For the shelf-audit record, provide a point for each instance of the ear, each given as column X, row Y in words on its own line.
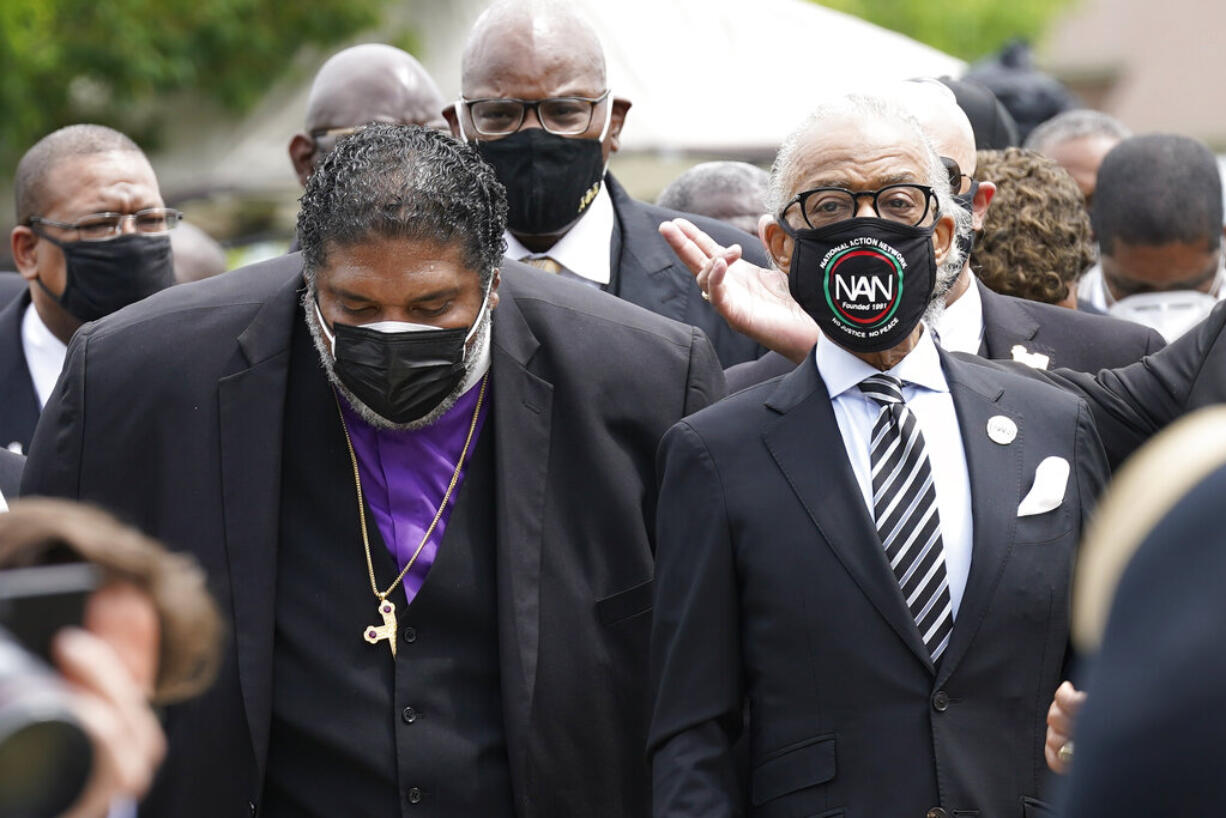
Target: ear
column 979, row 205
column 302, row 155
column 452, row 115
column 23, row 243
column 621, row 107
column 943, row 238
column 777, row 242
column 494, row 297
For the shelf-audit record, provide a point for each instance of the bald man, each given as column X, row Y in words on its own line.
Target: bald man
column 366, row 83
column 975, row 320
column 537, row 104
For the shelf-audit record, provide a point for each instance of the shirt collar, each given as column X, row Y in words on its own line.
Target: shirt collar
column 44, row 353
column 841, row 371
column 584, row 250
column 960, row 324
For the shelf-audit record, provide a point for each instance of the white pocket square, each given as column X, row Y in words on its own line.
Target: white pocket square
column 1050, row 481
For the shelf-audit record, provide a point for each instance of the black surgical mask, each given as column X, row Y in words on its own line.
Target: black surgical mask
column 401, row 375
column 866, row 281
column 550, row 179
column 104, row 276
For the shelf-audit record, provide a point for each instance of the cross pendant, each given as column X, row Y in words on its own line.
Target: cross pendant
column 375, row 634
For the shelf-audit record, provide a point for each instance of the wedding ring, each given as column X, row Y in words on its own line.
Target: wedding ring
column 706, row 296
column 1065, row 754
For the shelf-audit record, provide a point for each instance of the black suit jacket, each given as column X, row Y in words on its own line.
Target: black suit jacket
column 647, row 272
column 1149, row 741
column 1086, row 343
column 1132, row 403
column 19, row 409
column 11, row 466
column 773, row 591
column 170, row 413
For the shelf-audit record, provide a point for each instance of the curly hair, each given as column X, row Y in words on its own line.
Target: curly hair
column 1036, row 239
column 403, row 182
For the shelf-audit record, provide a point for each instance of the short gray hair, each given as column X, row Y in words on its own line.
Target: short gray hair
column 30, row 181
column 403, row 182
column 1076, row 124
column 709, row 178
column 885, row 108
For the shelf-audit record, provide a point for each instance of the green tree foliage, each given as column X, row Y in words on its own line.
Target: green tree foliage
column 110, row 61
column 969, row 29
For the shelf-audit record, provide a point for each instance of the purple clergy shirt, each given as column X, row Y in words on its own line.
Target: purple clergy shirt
column 405, row 474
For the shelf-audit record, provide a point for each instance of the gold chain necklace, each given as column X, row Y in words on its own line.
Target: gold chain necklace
column 387, row 609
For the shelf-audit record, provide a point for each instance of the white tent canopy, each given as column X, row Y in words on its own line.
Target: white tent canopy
column 704, row 76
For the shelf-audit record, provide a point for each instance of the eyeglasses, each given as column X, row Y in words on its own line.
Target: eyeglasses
column 563, row 116
column 103, row 226
column 955, row 175
column 903, row 203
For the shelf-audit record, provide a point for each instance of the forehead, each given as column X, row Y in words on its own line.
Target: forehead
column 396, row 94
column 95, row 182
column 859, row 153
column 1082, row 152
column 534, row 59
column 396, row 271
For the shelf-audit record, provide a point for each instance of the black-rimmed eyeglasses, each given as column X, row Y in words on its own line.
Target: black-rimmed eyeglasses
column 903, row 203
column 103, row 226
column 563, row 116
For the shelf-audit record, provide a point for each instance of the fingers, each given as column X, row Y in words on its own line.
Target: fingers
column 125, row 618
column 708, row 246
column 1061, row 720
column 689, row 252
column 128, row 741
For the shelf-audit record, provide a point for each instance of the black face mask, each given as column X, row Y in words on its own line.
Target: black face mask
column 967, row 201
column 104, row 276
column 865, row 281
column 401, row 376
column 550, row 179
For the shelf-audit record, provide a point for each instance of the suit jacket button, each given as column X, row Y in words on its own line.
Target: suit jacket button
column 409, row 714
column 940, row 703
column 937, row 812
column 414, row 795
column 410, row 634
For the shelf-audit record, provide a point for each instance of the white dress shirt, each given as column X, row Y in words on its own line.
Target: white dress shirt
column 584, row 250
column 44, row 354
column 960, row 324
column 927, row 395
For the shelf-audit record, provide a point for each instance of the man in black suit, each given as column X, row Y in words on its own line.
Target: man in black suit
column 976, row 320
column 514, row 682
column 885, row 608
column 90, row 238
column 536, row 103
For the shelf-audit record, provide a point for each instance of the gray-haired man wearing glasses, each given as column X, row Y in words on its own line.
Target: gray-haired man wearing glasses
column 91, row 237
column 536, row 103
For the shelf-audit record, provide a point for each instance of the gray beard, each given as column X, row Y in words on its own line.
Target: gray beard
column 370, row 416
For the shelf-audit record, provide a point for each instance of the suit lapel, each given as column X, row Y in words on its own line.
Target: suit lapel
column 522, row 418
column 995, row 474
column 1004, row 326
column 250, row 411
column 643, row 261
column 19, row 410
column 820, row 474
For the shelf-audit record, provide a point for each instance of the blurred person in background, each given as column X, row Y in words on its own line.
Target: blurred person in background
column 732, row 192
column 1031, row 96
column 372, row 82
column 1158, row 218
column 1079, row 140
column 1036, row 241
column 91, row 237
column 149, row 636
column 197, row 254
column 537, row 105
column 992, row 123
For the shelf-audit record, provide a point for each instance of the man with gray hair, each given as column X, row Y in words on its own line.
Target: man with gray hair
column 866, row 561
column 733, row 192
column 1079, row 140
column 422, row 483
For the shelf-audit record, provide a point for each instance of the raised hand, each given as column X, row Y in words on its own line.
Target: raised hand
column 754, row 301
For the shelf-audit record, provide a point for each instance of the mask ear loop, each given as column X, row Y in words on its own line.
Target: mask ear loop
column 324, row 326
column 480, row 315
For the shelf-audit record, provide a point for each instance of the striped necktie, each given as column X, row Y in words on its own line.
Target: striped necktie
column 543, row 263
column 905, row 512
